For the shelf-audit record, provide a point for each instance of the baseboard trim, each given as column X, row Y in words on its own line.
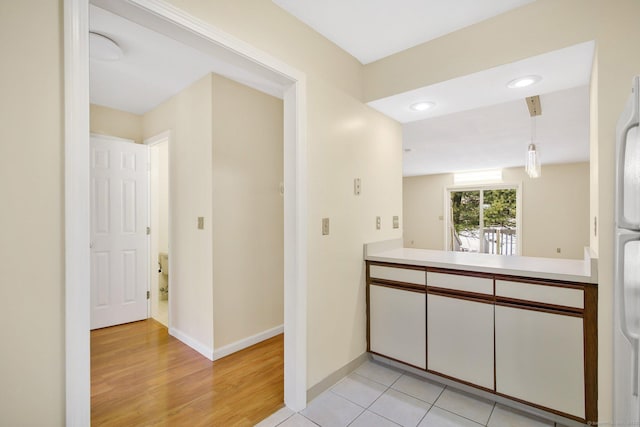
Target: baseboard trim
column 336, row 376
column 246, row 342
column 193, row 343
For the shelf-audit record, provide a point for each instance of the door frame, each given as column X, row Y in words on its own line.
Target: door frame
column 76, row 188
column 150, row 142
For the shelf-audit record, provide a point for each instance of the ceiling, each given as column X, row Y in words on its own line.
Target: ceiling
column 497, row 136
column 154, row 67
column 477, row 122
column 373, row 29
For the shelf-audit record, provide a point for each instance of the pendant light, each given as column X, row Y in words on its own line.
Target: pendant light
column 532, row 165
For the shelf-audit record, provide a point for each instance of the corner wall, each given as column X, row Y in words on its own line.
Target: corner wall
column 248, row 212
column 188, row 117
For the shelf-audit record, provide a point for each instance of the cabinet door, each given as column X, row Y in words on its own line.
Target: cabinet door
column 460, row 339
column 540, row 358
column 397, row 324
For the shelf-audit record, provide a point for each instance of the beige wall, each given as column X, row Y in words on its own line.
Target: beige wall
column 32, row 241
column 345, row 138
column 248, row 212
column 108, row 121
column 188, row 117
column 555, row 210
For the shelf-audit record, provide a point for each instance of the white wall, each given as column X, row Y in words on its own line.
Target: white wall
column 555, row 210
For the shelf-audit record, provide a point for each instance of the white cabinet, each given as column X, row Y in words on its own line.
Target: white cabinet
column 460, row 339
column 397, row 324
column 540, row 358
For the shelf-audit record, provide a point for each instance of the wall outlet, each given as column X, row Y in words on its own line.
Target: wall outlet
column 378, row 223
column 356, row 186
column 200, row 223
column 325, row 226
column 558, row 250
column 396, row 222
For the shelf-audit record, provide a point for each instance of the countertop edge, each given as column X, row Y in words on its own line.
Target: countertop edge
column 379, row 252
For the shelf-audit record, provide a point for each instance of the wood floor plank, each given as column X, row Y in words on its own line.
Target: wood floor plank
column 141, row 376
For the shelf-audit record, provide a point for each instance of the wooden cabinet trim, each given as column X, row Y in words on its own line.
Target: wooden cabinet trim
column 590, row 326
column 464, row 295
column 526, row 304
column 543, row 282
column 544, row 308
column 459, row 272
column 544, row 408
column 431, row 371
column 394, row 265
column 398, row 285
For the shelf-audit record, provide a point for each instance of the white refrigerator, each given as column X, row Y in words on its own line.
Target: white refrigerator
column 627, row 259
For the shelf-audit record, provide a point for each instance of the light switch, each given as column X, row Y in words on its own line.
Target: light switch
column 356, row 186
column 378, row 223
column 200, row 223
column 396, row 222
column 325, row 226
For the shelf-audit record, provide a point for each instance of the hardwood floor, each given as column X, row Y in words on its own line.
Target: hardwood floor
column 141, row 376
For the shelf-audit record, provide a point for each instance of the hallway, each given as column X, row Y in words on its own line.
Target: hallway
column 142, row 376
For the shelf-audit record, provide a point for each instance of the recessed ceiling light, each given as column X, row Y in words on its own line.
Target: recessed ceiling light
column 103, row 48
column 422, row 105
column 525, row 81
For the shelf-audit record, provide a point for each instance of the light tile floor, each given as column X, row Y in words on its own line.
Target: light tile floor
column 375, row 395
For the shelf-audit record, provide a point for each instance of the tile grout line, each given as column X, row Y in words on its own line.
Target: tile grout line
column 491, row 414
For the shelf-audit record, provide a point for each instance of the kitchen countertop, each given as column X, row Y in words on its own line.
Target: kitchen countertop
column 392, row 251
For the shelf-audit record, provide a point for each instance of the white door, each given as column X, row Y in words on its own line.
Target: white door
column 119, row 260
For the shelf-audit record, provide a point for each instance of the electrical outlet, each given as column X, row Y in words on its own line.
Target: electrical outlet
column 200, row 223
column 378, row 223
column 356, row 186
column 558, row 250
column 325, row 226
column 396, row 222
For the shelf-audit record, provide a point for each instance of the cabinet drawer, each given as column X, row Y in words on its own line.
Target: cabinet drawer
column 397, row 274
column 479, row 285
column 553, row 295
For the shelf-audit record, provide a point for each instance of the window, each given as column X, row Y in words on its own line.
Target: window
column 484, row 220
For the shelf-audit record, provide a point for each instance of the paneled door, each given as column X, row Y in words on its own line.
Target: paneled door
column 119, row 243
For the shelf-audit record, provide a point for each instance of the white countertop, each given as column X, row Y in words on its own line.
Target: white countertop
column 541, row 268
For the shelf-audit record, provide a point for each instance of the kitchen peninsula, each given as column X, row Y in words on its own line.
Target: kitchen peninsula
column 522, row 329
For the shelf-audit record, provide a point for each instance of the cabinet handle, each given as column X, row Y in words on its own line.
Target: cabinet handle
column 622, row 312
column 621, row 137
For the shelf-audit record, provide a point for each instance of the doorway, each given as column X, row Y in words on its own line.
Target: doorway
column 159, row 202
column 194, row 32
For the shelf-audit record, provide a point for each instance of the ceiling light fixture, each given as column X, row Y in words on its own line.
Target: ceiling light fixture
column 532, row 165
column 103, row 48
column 525, row 81
column 422, row 106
